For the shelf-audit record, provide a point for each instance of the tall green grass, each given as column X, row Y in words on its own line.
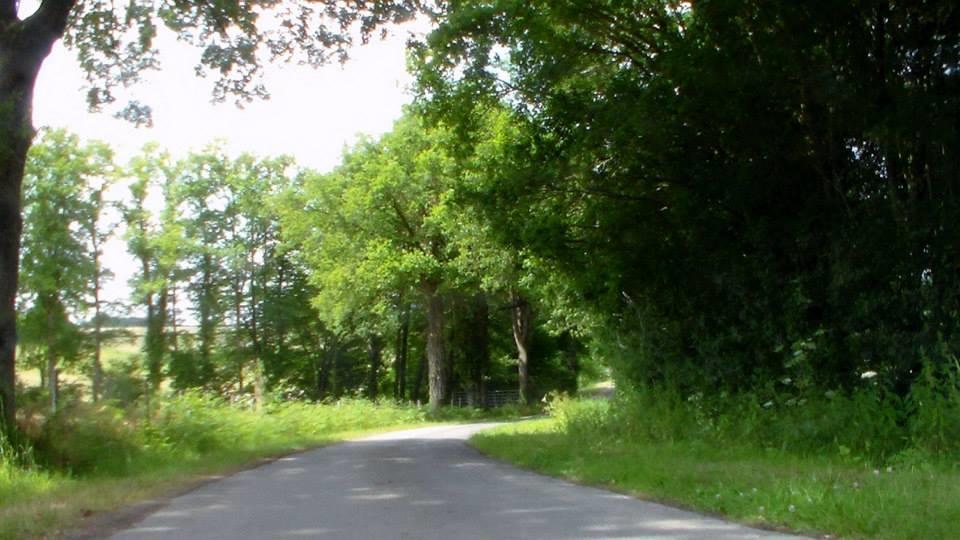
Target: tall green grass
column 88, row 458
column 871, row 423
column 88, row 439
column 862, row 464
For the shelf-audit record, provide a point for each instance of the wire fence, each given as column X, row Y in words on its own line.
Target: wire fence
column 490, row 399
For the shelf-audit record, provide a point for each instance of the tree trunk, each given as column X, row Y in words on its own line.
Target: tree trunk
column 96, row 247
column 478, row 350
column 374, row 357
column 53, row 381
column 238, row 346
column 521, row 318
column 23, row 47
column 154, row 340
column 97, row 379
column 97, row 339
column 418, row 380
column 174, row 330
column 403, row 342
column 208, row 325
column 436, row 351
column 256, row 344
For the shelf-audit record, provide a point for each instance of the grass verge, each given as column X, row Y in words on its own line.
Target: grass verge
column 757, row 486
column 95, row 459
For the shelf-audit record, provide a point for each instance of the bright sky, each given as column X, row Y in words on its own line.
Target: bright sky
column 311, row 115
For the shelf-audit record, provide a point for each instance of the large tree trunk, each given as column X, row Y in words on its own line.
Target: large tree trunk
column 436, row 350
column 522, row 316
column 23, row 47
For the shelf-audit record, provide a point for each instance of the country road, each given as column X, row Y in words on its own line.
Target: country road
column 423, row 483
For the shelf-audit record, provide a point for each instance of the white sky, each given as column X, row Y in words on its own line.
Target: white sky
column 311, row 115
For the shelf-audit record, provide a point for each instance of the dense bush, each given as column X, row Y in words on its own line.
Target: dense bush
column 103, row 439
column 870, row 423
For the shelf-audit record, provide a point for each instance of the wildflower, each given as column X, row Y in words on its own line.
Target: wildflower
column 768, row 404
column 889, row 469
column 868, row 374
column 876, row 472
column 792, row 508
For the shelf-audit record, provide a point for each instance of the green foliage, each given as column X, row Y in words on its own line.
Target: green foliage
column 61, row 272
column 103, row 440
column 870, row 424
column 85, row 439
column 934, row 401
column 726, row 205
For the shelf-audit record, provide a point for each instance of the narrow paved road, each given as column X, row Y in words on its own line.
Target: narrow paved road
column 424, row 483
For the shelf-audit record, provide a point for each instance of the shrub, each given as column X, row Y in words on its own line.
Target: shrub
column 871, row 423
column 85, row 439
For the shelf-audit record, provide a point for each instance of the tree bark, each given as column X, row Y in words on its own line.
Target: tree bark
column 53, row 381
column 208, row 324
column 97, row 379
column 403, row 346
column 23, row 47
column 418, row 380
column 174, row 330
column 374, row 359
column 436, row 350
column 521, row 319
column 97, row 386
column 155, row 340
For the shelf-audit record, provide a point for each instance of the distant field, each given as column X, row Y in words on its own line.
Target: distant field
column 129, row 342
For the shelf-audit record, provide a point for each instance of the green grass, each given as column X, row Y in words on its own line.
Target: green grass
column 757, row 486
column 92, row 459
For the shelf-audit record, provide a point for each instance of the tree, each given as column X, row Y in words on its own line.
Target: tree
column 491, row 144
column 114, row 46
column 58, row 270
column 98, row 232
column 373, row 229
column 716, row 182
column 156, row 246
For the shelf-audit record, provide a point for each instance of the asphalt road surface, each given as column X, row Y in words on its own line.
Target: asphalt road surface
column 418, row 484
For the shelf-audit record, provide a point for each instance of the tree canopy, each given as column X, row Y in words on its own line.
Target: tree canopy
column 711, row 197
column 743, row 192
column 114, row 45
